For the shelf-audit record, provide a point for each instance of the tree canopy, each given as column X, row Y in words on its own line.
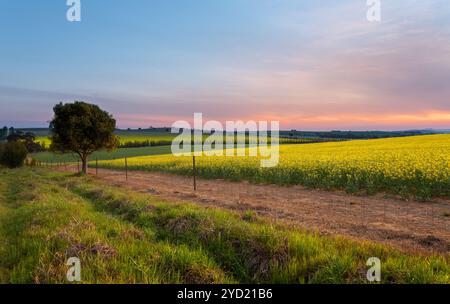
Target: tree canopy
column 82, row 128
column 27, row 138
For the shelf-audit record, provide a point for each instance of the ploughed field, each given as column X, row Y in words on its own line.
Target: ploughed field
column 122, row 236
column 417, row 166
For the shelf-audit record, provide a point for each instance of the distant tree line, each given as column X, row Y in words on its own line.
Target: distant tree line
column 4, row 132
column 28, row 139
column 350, row 134
column 145, row 143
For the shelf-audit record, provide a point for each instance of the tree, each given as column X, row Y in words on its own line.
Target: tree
column 3, row 133
column 28, row 139
column 82, row 128
column 13, row 154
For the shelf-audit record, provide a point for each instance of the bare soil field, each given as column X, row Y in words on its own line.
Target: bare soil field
column 411, row 226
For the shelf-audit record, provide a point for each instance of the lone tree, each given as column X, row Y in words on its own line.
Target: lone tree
column 82, row 128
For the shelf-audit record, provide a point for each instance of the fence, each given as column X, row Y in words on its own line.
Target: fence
column 424, row 224
column 66, row 166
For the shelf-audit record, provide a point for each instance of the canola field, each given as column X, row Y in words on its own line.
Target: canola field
column 416, row 166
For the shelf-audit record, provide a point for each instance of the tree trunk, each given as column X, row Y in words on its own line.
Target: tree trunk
column 85, row 165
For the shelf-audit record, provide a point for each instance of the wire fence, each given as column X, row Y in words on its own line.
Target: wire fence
column 414, row 216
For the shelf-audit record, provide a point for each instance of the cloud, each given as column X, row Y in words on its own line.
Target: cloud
column 324, row 67
column 347, row 66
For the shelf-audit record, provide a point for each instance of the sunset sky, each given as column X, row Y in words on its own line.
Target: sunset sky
column 311, row 64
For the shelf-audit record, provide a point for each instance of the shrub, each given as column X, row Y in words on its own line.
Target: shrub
column 13, row 154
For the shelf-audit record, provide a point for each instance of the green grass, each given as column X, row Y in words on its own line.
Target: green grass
column 42, row 224
column 103, row 155
column 122, row 236
column 128, row 137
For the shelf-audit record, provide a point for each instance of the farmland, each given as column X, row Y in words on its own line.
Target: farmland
column 410, row 166
column 133, row 143
column 49, row 157
column 148, row 138
column 153, row 138
column 128, row 237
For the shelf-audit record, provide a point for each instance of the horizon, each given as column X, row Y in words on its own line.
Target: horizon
column 315, row 66
column 281, row 130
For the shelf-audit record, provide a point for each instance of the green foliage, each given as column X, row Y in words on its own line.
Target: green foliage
column 28, row 139
column 3, row 133
column 12, row 154
column 82, row 128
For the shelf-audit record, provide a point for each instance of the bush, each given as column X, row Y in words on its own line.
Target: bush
column 13, row 154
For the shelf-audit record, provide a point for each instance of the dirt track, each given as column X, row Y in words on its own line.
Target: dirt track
column 407, row 225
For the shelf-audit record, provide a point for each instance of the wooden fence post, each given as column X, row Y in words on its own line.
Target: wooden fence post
column 194, row 171
column 126, row 169
column 96, row 166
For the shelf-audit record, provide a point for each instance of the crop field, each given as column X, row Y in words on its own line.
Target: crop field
column 129, row 137
column 416, row 166
column 134, row 144
column 49, row 157
column 128, row 237
column 153, row 138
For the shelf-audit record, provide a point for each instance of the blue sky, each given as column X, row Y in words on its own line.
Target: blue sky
column 309, row 64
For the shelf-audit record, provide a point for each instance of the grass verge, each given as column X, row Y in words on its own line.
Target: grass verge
column 127, row 237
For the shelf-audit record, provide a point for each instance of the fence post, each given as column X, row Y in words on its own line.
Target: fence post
column 78, row 165
column 126, row 169
column 194, row 171
column 96, row 166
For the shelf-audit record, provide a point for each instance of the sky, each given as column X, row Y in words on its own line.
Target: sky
column 310, row 64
